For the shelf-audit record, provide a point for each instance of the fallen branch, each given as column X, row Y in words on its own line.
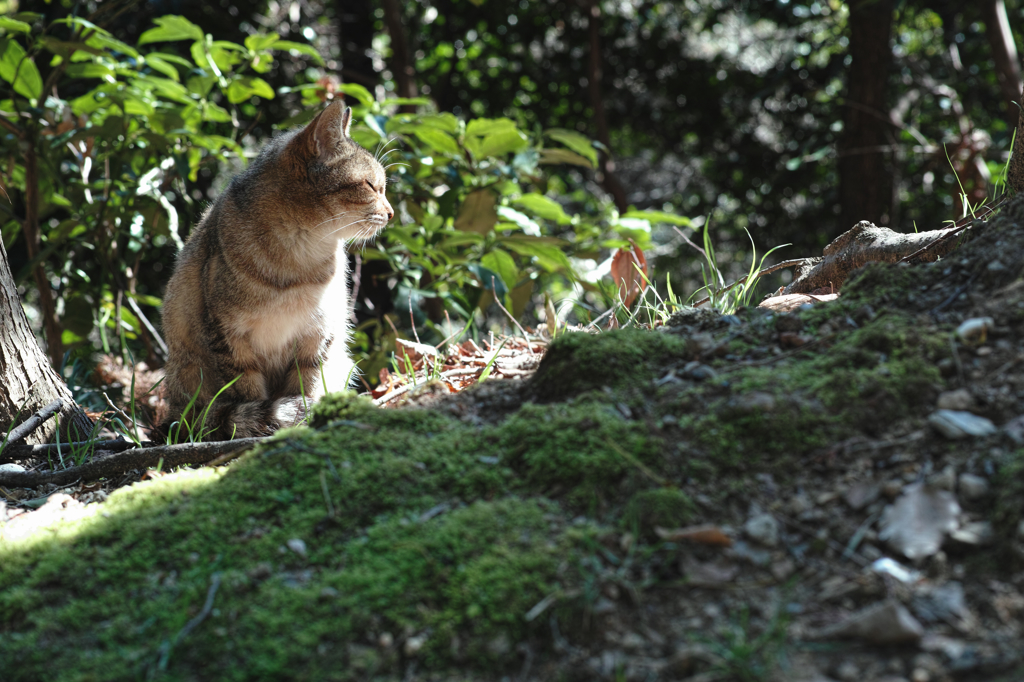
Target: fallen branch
column 22, row 431
column 867, row 243
column 140, row 458
column 15, row 453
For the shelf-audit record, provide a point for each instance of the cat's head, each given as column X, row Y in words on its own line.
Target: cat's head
column 344, row 179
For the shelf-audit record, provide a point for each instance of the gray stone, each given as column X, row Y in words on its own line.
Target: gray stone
column 956, row 424
column 763, row 528
column 886, row 622
column 973, row 487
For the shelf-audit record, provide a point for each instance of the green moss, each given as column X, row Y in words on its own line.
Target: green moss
column 576, row 363
column 1009, row 489
column 664, row 507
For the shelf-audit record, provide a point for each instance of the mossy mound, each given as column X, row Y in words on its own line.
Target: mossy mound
column 381, row 539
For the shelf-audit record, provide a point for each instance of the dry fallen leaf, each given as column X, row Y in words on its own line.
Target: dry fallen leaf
column 627, row 264
column 704, row 535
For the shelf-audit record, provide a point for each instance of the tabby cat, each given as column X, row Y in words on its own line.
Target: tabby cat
column 259, row 294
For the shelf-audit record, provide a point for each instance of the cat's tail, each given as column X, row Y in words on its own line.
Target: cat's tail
column 230, row 420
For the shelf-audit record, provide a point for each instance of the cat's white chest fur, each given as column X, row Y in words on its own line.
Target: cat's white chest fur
column 315, row 309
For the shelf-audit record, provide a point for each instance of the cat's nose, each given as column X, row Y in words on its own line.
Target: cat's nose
column 391, row 211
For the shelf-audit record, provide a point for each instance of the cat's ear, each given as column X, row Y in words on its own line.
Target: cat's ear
column 329, row 130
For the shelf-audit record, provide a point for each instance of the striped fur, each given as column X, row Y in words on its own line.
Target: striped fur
column 259, row 292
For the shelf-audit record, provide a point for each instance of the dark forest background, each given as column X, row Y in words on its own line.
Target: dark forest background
column 789, row 118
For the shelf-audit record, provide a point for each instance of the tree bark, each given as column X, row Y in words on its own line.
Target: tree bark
column 27, row 380
column 401, row 57
column 1004, row 53
column 595, row 70
column 30, row 228
column 865, row 185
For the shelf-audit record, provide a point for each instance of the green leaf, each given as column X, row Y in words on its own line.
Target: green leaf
column 19, row 71
column 261, row 41
column 241, row 89
column 226, row 54
column 489, row 279
column 497, row 144
column 437, row 140
column 659, row 217
column 14, row 25
column 482, row 127
column 212, row 112
column 301, row 48
column 357, row 91
column 169, row 28
column 105, row 41
column 161, row 65
column 554, row 156
column 502, row 263
column 89, row 71
column 543, row 207
column 548, row 255
column 576, row 142
column 165, row 88
column 527, row 225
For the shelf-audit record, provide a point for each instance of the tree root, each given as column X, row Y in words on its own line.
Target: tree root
column 168, row 456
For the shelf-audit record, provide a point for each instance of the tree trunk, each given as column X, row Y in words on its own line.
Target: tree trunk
column 27, row 381
column 401, row 57
column 1015, row 173
column 865, row 185
column 595, row 70
column 1004, row 53
column 355, row 34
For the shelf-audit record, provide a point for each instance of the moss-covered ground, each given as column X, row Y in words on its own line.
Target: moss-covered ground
column 454, row 542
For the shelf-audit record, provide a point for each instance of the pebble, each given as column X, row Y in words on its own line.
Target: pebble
column 860, row 495
column 11, row 468
column 973, row 487
column 975, row 533
column 298, row 546
column 414, row 644
column 975, row 330
column 886, row 622
column 956, row 424
column 763, row 528
column 960, row 399
column 892, row 489
column 943, row 480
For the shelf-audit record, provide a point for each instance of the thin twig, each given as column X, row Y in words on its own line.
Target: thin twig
column 22, row 431
column 517, row 325
column 149, row 327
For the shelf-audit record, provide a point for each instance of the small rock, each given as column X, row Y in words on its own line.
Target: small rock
column 960, row 399
column 860, row 495
column 975, row 533
column 763, row 528
column 956, row 424
column 755, row 402
column 974, row 331
column 328, row 593
column 298, row 546
column 1015, row 429
column 741, row 550
column 887, row 622
column 783, row 569
column 919, row 520
column 847, row 671
column 973, row 487
column 11, row 468
column 892, row 489
column 945, row 602
column 414, row 644
column 943, row 480
column 386, row 640
column 500, row 645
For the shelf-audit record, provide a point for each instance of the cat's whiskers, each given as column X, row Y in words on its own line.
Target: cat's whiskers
column 381, row 147
column 338, row 229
